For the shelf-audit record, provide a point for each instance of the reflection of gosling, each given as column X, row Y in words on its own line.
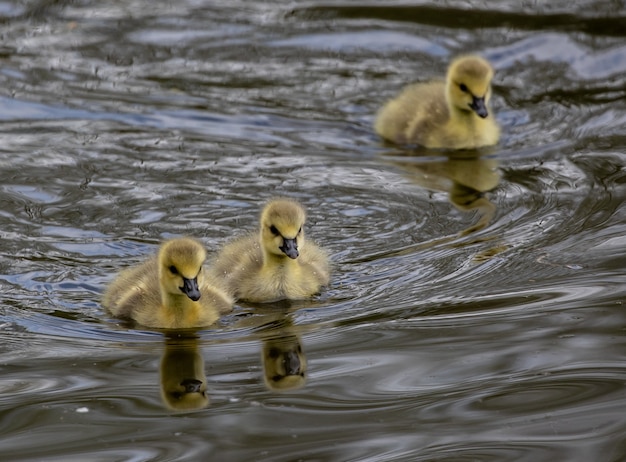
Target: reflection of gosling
column 453, row 115
column 168, row 291
column 284, row 363
column 183, row 380
column 276, row 264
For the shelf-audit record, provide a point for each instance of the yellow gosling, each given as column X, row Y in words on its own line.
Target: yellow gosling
column 454, row 114
column 274, row 264
column 168, row 291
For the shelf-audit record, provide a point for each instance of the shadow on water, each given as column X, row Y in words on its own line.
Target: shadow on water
column 467, row 18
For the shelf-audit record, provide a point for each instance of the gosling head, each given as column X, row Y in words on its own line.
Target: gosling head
column 282, row 221
column 180, row 265
column 469, row 84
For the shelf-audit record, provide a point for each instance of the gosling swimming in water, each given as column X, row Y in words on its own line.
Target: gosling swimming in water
column 277, row 263
column 454, row 114
column 168, row 291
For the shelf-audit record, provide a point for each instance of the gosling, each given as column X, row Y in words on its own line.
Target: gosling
column 168, row 291
column 454, row 114
column 274, row 264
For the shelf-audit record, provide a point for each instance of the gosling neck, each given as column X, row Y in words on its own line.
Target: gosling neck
column 273, row 260
column 176, row 302
column 467, row 116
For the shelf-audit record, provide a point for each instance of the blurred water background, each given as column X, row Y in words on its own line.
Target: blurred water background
column 476, row 306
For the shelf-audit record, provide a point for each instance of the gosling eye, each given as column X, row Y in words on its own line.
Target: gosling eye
column 274, row 230
column 463, row 88
column 300, row 230
column 173, row 269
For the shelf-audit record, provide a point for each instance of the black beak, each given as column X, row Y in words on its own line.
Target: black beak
column 190, row 288
column 478, row 106
column 290, row 248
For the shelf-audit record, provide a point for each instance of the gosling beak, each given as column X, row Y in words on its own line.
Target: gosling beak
column 190, row 288
column 478, row 106
column 290, row 248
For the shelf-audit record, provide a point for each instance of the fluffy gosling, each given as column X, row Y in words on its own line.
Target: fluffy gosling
column 454, row 114
column 274, row 264
column 168, row 291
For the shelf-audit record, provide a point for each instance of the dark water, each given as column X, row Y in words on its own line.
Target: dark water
column 476, row 307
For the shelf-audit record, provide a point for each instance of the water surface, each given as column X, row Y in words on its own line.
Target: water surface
column 475, row 310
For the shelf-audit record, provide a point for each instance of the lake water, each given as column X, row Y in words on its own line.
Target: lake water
column 476, row 306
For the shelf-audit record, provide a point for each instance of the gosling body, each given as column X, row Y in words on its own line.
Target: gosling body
column 168, row 291
column 450, row 114
column 276, row 263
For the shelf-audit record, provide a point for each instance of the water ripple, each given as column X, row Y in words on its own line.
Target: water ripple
column 475, row 309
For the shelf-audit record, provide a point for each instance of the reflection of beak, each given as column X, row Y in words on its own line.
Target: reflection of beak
column 290, row 248
column 478, row 106
column 291, row 361
column 190, row 288
column 192, row 385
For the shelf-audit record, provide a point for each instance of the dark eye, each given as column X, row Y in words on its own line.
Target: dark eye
column 173, row 269
column 463, row 88
column 274, row 230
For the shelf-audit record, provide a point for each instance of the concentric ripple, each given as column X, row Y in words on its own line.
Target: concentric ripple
column 476, row 304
